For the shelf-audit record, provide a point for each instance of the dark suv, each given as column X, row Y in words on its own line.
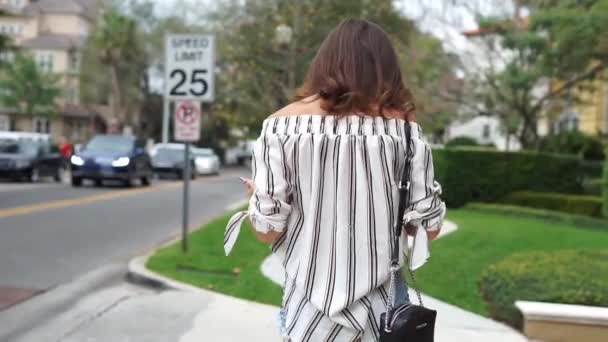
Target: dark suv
column 28, row 156
column 112, row 157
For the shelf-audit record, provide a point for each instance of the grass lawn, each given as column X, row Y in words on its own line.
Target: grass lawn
column 206, row 266
column 483, row 238
column 452, row 274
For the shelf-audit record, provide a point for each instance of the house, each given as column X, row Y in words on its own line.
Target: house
column 586, row 110
column 485, row 130
column 589, row 114
column 54, row 32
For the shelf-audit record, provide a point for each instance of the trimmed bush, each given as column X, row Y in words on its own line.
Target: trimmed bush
column 578, row 221
column 593, row 186
column 481, row 175
column 566, row 277
column 573, row 204
column 461, row 141
column 605, row 188
column 575, row 142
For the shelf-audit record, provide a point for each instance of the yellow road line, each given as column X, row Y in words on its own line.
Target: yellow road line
column 32, row 208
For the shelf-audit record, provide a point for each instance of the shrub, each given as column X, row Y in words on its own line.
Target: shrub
column 461, row 141
column 605, row 188
column 481, row 175
column 593, row 186
column 573, row 204
column 567, row 277
column 575, row 142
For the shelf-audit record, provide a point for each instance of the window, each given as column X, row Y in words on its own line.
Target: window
column 74, row 61
column 5, row 122
column 42, row 125
column 72, row 95
column 45, row 60
column 486, row 131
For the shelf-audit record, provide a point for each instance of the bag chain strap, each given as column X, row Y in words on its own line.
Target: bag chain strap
column 404, row 188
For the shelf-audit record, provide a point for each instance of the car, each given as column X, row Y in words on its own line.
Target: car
column 29, row 156
column 112, row 157
column 168, row 160
column 206, row 162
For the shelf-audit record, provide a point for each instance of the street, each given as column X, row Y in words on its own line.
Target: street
column 51, row 233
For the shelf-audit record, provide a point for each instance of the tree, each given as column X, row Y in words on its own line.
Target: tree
column 28, row 89
column 118, row 47
column 6, row 45
column 534, row 65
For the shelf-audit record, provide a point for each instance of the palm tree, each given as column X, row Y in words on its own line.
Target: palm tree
column 116, row 41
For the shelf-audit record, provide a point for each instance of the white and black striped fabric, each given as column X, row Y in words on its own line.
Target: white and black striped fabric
column 330, row 184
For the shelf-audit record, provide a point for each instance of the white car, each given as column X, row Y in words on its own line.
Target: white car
column 206, row 162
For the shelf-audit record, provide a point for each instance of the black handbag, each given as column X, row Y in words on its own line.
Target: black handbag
column 407, row 322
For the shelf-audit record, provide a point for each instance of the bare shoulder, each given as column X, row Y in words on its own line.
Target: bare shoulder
column 308, row 105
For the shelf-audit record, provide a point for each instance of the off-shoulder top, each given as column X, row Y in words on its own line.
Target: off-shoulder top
column 330, row 184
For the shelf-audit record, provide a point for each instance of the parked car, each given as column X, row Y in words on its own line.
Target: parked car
column 206, row 162
column 239, row 154
column 168, row 161
column 112, row 157
column 29, row 156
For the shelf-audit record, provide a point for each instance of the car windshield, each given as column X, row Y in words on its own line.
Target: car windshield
column 117, row 144
column 12, row 146
column 169, row 154
column 204, row 153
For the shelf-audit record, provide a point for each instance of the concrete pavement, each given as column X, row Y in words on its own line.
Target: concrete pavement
column 102, row 307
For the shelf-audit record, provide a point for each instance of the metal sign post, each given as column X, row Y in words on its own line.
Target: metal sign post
column 189, row 80
column 186, row 198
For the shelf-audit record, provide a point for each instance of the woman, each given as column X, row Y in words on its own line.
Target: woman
column 325, row 176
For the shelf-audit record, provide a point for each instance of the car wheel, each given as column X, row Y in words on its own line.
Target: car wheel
column 129, row 182
column 99, row 182
column 76, row 181
column 145, row 180
column 193, row 172
column 34, row 175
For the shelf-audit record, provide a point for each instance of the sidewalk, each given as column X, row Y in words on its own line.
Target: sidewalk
column 225, row 318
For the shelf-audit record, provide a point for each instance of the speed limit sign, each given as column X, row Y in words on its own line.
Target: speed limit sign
column 189, row 67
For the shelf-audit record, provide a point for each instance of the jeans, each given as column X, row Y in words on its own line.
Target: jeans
column 401, row 295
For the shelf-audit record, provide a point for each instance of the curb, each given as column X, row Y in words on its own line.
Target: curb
column 44, row 306
column 137, row 273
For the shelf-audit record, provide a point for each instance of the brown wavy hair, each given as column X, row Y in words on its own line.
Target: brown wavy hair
column 356, row 70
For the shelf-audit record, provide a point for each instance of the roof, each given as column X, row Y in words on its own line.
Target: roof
column 53, row 41
column 77, row 111
column 521, row 22
column 85, row 8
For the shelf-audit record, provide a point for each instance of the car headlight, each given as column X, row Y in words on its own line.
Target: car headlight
column 22, row 163
column 76, row 160
column 121, row 162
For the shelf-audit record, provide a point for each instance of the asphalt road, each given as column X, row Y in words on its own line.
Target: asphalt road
column 52, row 233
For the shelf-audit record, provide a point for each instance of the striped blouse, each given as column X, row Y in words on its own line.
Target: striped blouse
column 330, row 185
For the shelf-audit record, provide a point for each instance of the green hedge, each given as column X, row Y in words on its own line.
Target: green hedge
column 481, row 175
column 567, row 277
column 573, row 204
column 578, row 221
column 461, row 141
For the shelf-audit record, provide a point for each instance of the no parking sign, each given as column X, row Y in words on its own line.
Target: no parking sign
column 187, row 121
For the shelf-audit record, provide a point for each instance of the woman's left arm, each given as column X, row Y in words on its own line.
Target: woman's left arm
column 425, row 192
